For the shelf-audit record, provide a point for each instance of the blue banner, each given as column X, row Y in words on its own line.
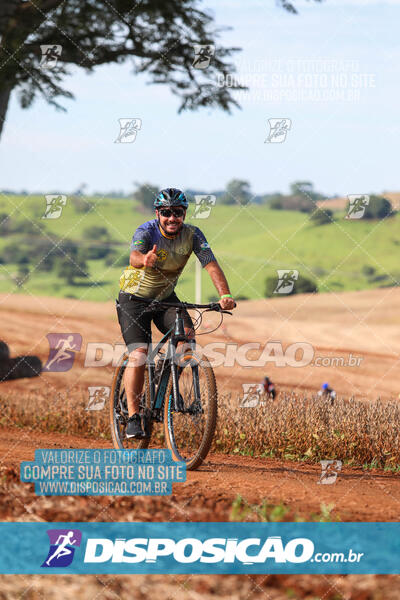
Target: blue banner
column 103, row 472
column 213, row 548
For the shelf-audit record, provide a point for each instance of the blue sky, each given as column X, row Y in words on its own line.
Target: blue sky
column 344, row 144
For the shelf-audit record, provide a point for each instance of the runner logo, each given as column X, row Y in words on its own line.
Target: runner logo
column 98, row 395
column 54, row 205
column 202, row 55
column 252, row 393
column 128, row 129
column 62, row 547
column 357, row 205
column 286, row 281
column 203, row 205
column 278, row 129
column 329, row 471
column 50, row 55
column 63, row 347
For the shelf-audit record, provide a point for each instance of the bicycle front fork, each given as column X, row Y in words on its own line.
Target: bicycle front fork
column 176, row 370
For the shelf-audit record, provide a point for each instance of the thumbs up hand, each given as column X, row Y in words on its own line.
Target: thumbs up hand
column 150, row 258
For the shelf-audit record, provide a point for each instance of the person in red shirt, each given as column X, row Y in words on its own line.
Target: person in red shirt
column 269, row 388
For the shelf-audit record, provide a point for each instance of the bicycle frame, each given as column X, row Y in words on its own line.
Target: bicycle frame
column 162, row 397
column 157, row 397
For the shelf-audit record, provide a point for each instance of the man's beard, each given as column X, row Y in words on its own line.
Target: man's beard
column 175, row 233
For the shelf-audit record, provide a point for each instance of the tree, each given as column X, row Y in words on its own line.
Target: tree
column 305, row 285
column 368, row 270
column 96, row 232
column 299, row 203
column 82, row 205
column 276, row 203
column 305, row 189
column 15, row 253
column 272, row 199
column 145, row 195
column 378, row 208
column 69, row 268
column 237, row 192
column 116, row 259
column 322, row 216
column 22, row 276
column 5, row 224
column 99, row 242
column 301, row 187
column 156, row 35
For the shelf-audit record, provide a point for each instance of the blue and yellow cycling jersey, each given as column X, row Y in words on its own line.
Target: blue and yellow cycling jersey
column 173, row 253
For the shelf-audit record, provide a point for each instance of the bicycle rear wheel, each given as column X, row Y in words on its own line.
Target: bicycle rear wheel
column 190, row 430
column 119, row 410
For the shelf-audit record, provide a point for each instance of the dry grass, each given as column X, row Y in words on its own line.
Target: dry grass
column 291, row 428
column 50, row 412
column 298, row 428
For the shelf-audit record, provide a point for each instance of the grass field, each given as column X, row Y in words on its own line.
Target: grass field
column 249, row 242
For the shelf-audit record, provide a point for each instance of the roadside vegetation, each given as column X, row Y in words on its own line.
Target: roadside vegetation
column 362, row 434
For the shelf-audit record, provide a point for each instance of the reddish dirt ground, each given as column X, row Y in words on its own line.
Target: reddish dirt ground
column 363, row 323
column 357, row 495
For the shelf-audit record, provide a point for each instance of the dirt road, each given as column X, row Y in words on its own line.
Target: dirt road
column 208, row 493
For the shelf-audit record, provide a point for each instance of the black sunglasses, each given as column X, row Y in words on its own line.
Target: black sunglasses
column 167, row 212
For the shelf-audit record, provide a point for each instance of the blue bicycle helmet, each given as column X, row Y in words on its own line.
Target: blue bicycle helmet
column 170, row 197
column 325, row 386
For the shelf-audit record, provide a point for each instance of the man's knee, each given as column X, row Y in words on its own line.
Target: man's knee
column 137, row 355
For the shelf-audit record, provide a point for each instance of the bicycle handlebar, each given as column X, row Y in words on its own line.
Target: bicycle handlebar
column 212, row 306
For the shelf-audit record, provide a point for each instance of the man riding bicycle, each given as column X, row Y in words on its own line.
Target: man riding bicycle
column 160, row 249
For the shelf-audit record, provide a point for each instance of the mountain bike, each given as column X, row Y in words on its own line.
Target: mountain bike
column 179, row 391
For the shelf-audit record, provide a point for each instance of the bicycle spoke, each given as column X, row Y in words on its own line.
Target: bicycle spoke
column 190, row 429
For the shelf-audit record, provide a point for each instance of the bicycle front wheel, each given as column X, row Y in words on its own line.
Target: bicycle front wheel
column 189, row 430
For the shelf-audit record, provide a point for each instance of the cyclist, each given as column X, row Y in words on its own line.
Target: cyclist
column 269, row 388
column 327, row 392
column 160, row 249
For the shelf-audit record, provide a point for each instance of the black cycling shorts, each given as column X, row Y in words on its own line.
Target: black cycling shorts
column 135, row 318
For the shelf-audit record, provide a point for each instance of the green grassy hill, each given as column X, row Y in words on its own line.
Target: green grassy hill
column 250, row 243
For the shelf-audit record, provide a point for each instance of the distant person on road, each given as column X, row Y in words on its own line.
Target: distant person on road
column 327, row 392
column 269, row 388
